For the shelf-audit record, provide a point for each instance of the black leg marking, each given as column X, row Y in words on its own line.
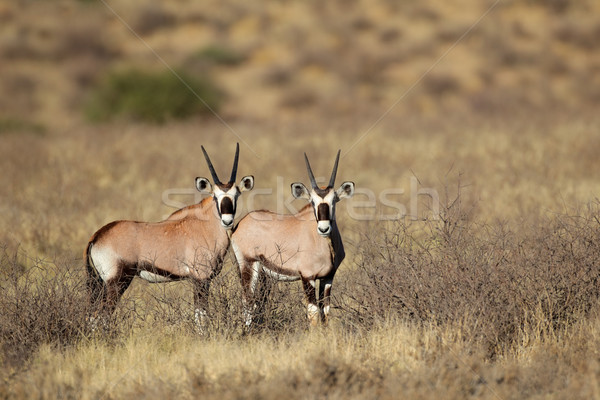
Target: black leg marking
column 312, row 309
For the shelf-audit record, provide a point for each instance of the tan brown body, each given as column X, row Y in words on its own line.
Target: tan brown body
column 191, row 243
column 306, row 246
column 192, row 246
column 288, row 245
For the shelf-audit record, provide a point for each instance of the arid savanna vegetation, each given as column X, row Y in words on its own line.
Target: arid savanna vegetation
column 473, row 242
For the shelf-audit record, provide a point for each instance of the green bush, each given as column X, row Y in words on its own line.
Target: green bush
column 221, row 55
column 15, row 125
column 152, row 96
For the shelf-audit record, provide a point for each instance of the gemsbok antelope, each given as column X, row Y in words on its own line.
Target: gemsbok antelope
column 191, row 243
column 306, row 246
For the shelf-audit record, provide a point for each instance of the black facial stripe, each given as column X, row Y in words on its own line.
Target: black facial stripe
column 217, row 205
column 227, row 206
column 323, row 212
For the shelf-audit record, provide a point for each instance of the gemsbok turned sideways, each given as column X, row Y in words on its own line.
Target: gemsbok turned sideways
column 306, row 246
column 191, row 243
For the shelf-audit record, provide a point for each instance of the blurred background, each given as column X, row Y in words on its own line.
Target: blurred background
column 104, row 105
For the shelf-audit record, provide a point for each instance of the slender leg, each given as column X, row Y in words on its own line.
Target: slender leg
column 325, row 299
column 116, row 290
column 312, row 309
column 97, row 291
column 107, row 300
column 261, row 295
column 201, row 289
column 96, row 288
column 249, row 273
column 98, row 295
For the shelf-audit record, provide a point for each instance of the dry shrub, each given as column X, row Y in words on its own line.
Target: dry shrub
column 323, row 377
column 152, row 17
column 584, row 37
column 23, row 100
column 278, row 75
column 298, row 98
column 47, row 303
column 498, row 283
column 440, row 84
column 40, row 304
column 52, row 40
column 171, row 306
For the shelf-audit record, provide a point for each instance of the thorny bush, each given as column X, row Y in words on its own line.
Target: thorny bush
column 498, row 283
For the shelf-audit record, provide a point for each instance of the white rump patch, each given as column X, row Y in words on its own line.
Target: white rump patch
column 104, row 259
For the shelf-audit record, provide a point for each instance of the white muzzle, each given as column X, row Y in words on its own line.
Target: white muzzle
column 324, row 228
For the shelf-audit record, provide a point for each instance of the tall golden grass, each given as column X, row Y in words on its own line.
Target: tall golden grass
column 481, row 303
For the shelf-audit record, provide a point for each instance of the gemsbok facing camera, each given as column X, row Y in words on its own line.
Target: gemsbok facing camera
column 190, row 244
column 306, row 246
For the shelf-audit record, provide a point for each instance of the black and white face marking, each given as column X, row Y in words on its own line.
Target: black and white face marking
column 323, row 199
column 225, row 197
column 323, row 202
column 324, row 207
column 225, row 194
column 226, row 201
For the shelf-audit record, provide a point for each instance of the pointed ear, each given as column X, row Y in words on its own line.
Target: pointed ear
column 203, row 185
column 346, row 189
column 299, row 191
column 247, row 183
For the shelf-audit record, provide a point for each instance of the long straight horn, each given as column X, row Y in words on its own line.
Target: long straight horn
column 313, row 182
column 334, row 172
column 210, row 167
column 235, row 163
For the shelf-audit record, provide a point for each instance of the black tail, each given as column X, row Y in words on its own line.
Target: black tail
column 95, row 283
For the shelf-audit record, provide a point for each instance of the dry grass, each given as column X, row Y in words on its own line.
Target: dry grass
column 497, row 281
column 458, row 307
column 497, row 299
column 395, row 359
